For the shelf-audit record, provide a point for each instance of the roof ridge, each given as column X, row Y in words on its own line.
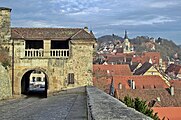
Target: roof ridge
column 19, row 34
column 76, row 33
column 49, row 33
column 42, row 28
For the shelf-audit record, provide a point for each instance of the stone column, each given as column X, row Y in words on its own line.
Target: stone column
column 47, row 47
column 5, row 30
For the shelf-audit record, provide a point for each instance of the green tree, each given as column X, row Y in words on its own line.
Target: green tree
column 140, row 106
column 129, row 101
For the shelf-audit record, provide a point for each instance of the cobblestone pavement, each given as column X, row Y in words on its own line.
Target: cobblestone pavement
column 69, row 106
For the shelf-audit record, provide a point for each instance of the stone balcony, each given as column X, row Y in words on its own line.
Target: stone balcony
column 40, row 53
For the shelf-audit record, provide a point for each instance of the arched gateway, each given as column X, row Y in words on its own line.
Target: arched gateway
column 34, row 81
column 64, row 55
column 31, row 80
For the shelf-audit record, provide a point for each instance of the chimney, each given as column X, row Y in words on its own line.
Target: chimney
column 172, row 91
column 86, row 29
column 133, row 84
column 5, row 24
column 158, row 99
column 92, row 33
column 125, row 59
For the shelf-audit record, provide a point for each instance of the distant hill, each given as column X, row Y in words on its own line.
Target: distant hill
column 167, row 48
column 107, row 38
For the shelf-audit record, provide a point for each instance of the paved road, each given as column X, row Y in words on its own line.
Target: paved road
column 69, row 106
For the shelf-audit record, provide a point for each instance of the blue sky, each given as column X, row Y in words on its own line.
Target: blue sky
column 153, row 18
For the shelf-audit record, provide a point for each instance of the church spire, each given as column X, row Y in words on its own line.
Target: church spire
column 125, row 36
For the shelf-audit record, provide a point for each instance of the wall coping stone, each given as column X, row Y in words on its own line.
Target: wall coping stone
column 102, row 106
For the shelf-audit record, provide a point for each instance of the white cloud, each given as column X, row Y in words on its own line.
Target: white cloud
column 33, row 23
column 74, row 1
column 157, row 20
column 163, row 4
column 78, row 7
column 92, row 10
column 106, row 16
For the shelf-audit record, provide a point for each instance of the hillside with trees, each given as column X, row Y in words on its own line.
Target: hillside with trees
column 166, row 47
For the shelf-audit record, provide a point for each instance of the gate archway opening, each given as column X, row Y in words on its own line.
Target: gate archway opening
column 34, row 83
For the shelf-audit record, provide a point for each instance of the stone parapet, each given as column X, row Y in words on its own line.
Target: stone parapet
column 102, row 106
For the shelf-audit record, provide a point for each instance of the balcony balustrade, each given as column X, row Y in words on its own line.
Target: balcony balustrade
column 53, row 53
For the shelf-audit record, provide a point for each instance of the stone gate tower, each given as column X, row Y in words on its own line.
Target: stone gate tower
column 64, row 55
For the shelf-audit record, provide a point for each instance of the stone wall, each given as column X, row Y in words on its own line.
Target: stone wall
column 79, row 62
column 5, row 32
column 5, row 84
column 102, row 106
column 57, row 69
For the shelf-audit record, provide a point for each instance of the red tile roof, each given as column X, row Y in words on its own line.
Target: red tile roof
column 112, row 69
column 175, row 83
column 141, row 82
column 170, row 113
column 160, row 95
column 139, row 59
column 155, row 56
column 146, row 56
column 102, row 83
column 173, row 68
column 50, row 33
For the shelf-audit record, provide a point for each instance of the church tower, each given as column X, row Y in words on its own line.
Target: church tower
column 126, row 44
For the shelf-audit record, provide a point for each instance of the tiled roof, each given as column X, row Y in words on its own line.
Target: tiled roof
column 146, row 56
column 173, row 68
column 112, row 69
column 141, row 82
column 83, row 34
column 50, row 33
column 161, row 96
column 102, row 83
column 118, row 55
column 139, row 59
column 175, row 83
column 155, row 56
column 118, row 58
column 140, row 71
column 133, row 66
column 169, row 113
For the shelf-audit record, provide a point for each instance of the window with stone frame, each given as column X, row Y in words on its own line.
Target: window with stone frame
column 71, row 79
